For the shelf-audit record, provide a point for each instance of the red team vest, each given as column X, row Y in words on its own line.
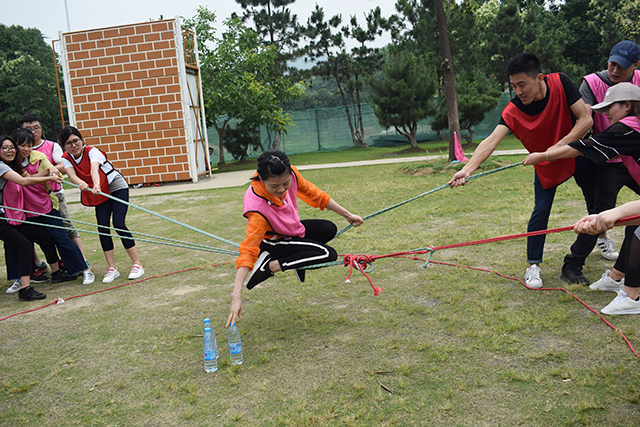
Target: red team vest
column 539, row 132
column 284, row 220
column 83, row 170
column 599, row 89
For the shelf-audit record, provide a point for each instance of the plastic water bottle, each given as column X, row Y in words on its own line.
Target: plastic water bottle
column 235, row 346
column 207, row 324
column 210, row 350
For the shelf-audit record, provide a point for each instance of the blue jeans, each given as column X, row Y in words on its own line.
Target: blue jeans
column 539, row 220
column 69, row 251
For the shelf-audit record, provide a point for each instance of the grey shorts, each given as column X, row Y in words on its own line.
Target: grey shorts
column 64, row 213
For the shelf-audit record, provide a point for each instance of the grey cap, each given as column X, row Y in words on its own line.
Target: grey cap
column 616, row 93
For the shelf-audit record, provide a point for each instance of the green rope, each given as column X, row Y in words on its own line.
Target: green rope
column 190, row 244
column 427, row 193
column 185, row 246
column 173, row 221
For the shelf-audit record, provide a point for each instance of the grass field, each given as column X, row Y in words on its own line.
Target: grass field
column 442, row 346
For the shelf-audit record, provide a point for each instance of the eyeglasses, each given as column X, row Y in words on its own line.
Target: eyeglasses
column 8, row 148
column 35, row 128
column 76, row 141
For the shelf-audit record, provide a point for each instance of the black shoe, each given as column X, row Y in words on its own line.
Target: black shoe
column 300, row 275
column 60, row 276
column 574, row 275
column 260, row 271
column 38, row 277
column 30, row 294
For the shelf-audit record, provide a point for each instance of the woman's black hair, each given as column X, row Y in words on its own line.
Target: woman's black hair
column 66, row 133
column 22, row 135
column 15, row 164
column 272, row 163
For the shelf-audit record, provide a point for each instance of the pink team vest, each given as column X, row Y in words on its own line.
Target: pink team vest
column 13, row 197
column 46, row 148
column 284, row 220
column 539, row 132
column 34, row 198
column 632, row 165
column 599, row 90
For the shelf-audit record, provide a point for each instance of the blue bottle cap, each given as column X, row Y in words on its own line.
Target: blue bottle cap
column 206, row 320
column 207, row 329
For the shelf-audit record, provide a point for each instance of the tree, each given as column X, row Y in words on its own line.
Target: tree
column 404, row 96
column 236, row 80
column 278, row 27
column 327, row 49
column 27, row 78
column 239, row 139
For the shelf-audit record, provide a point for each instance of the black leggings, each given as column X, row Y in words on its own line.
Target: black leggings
column 104, row 212
column 632, row 276
column 18, row 243
column 298, row 252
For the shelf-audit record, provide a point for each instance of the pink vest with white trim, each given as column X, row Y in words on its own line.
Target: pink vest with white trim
column 599, row 89
column 36, row 197
column 284, row 220
column 46, row 148
column 632, row 165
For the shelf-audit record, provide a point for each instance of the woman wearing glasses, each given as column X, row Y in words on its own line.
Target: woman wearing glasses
column 89, row 168
column 21, row 237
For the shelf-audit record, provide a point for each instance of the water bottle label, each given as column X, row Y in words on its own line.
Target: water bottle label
column 210, row 355
column 235, row 348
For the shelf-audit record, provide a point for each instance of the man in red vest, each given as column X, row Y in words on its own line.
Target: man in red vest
column 546, row 111
column 608, row 178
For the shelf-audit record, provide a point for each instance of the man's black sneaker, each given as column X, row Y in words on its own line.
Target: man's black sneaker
column 38, row 277
column 260, row 271
column 572, row 275
column 300, row 274
column 30, row 294
column 60, row 276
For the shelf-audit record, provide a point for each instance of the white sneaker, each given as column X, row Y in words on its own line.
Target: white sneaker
column 606, row 283
column 622, row 304
column 532, row 277
column 17, row 285
column 88, row 277
column 111, row 275
column 607, row 247
column 136, row 271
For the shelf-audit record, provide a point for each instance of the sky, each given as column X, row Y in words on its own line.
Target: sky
column 49, row 15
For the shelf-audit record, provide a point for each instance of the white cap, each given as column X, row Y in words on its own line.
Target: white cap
column 616, row 93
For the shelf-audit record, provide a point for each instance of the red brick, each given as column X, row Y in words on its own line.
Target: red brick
column 130, row 128
column 134, row 163
column 174, row 106
column 143, row 171
column 87, row 63
column 152, row 37
column 105, row 122
column 73, row 47
column 123, row 76
column 167, row 36
column 142, row 92
column 173, row 150
column 159, row 169
column 134, row 102
column 173, row 88
column 174, row 168
column 92, row 80
column 161, row 45
column 159, row 108
column 158, row 90
column 110, row 34
column 150, row 100
column 155, row 152
column 149, row 82
column 113, row 51
column 100, row 88
column 142, row 29
column 138, row 57
column 80, row 99
column 129, row 173
column 113, row 69
column 120, row 41
column 152, row 118
column 130, row 48
column 107, row 78
column 98, row 131
column 87, row 107
column 96, row 115
column 95, row 35
column 103, row 43
column 166, row 160
column 137, row 119
column 94, row 97
column 171, row 133
column 75, row 64
column 79, row 37
column 182, row 176
column 147, row 144
column 169, row 116
column 151, row 161
column 139, row 75
column 110, row 96
column 156, row 73
column 161, row 125
column 163, row 63
column 164, row 143
column 169, row 53
column 127, row 31
column 90, row 124
column 146, row 127
column 144, row 47
column 132, row 66
column 117, row 86
column 84, row 72
column 113, row 113
column 127, row 154
column 83, row 54
column 103, row 105
column 107, row 139
column 82, row 116
column 176, row 123
column 145, row 65
column 136, row 39
column 159, row 27
column 99, row 70
column 107, row 60
column 127, row 112
column 121, row 121
column 121, row 59
column 96, row 53
column 142, row 110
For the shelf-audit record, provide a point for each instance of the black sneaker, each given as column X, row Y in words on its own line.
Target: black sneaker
column 260, row 271
column 38, row 277
column 61, row 276
column 574, row 275
column 300, row 274
column 30, row 294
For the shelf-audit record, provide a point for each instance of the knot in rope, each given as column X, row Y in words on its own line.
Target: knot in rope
column 360, row 262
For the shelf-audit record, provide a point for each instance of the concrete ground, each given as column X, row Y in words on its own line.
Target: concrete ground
column 234, row 179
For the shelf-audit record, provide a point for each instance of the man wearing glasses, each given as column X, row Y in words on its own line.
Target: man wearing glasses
column 53, row 152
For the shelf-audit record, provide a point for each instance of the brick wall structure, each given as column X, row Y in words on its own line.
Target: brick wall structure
column 125, row 93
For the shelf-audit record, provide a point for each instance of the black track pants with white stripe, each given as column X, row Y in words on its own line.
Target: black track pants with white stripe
column 298, row 252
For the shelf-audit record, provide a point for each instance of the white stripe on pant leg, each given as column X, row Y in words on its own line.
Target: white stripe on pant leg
column 292, row 264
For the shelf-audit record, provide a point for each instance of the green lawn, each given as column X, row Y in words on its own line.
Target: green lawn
column 442, row 346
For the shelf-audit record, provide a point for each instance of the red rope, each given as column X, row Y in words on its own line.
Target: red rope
column 60, row 300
